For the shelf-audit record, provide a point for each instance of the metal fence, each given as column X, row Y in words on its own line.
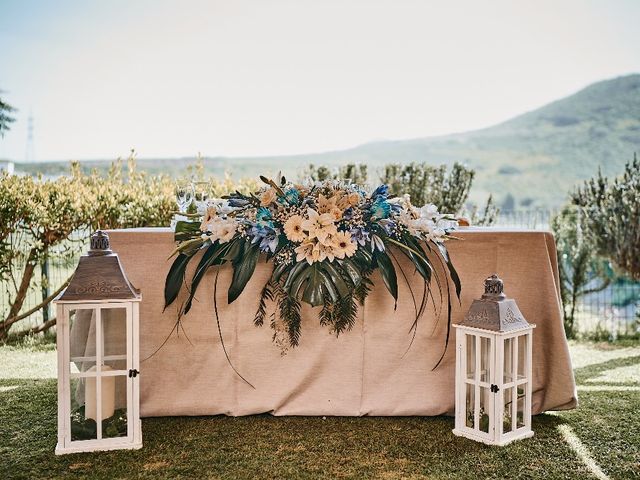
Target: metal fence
column 533, row 219
column 612, row 312
column 50, row 273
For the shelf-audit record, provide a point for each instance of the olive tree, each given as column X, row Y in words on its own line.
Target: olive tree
column 44, row 213
column 611, row 213
column 581, row 270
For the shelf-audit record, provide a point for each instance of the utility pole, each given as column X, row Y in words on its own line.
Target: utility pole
column 30, row 151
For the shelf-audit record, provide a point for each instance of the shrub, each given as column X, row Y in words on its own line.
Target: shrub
column 37, row 215
column 428, row 184
column 611, row 213
column 357, row 173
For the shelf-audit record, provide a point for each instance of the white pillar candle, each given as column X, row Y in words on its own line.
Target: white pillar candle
column 108, row 395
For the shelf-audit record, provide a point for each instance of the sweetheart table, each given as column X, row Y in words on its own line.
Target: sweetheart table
column 374, row 369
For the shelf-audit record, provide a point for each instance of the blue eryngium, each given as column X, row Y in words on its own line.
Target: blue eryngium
column 380, row 208
column 381, row 191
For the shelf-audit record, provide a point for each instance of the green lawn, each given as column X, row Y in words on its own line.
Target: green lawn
column 601, row 436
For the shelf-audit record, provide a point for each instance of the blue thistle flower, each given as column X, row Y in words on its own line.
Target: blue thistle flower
column 380, row 208
column 381, row 191
column 263, row 217
column 292, row 195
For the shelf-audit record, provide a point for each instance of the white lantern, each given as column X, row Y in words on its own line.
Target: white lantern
column 98, row 358
column 493, row 369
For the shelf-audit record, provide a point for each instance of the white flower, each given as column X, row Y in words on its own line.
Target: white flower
column 319, row 226
column 426, row 222
column 429, row 211
column 222, row 229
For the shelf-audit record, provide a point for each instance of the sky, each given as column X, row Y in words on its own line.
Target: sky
column 268, row 77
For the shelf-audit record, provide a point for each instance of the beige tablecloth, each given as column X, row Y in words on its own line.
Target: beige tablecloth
column 364, row 371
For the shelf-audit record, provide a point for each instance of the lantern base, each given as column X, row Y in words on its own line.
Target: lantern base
column 95, row 447
column 497, row 443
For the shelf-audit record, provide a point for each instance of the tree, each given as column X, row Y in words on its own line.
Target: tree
column 581, row 271
column 45, row 213
column 5, row 116
column 611, row 211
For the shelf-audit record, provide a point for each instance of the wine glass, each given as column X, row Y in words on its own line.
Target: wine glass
column 184, row 195
column 202, row 192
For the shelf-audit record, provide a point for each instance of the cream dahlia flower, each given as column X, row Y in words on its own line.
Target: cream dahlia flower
column 293, row 229
column 343, row 245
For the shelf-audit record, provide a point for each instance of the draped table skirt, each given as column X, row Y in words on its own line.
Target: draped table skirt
column 373, row 369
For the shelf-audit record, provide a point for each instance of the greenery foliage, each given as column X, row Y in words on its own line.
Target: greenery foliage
column 38, row 215
column 357, row 173
column 600, row 229
column 429, row 184
column 581, row 271
column 611, row 212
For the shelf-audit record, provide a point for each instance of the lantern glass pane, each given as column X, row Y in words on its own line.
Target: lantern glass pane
column 522, row 355
column 507, row 424
column 521, row 404
column 484, row 409
column 508, row 360
column 82, row 340
column 485, row 359
column 471, row 356
column 114, row 395
column 82, row 426
column 470, row 405
column 114, row 337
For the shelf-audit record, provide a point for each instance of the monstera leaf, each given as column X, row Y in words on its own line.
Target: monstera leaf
column 244, row 264
column 212, row 256
column 175, row 278
column 388, row 272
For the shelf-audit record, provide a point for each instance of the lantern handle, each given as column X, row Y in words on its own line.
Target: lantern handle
column 99, row 244
column 494, row 287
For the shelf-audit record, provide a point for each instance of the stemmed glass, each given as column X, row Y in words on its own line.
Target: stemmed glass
column 184, row 195
column 202, row 192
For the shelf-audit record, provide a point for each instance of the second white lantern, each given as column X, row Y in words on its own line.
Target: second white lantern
column 493, row 369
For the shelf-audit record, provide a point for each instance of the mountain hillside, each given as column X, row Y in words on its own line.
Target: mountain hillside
column 536, row 158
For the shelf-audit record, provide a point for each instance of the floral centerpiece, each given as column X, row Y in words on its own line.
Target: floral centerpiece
column 325, row 240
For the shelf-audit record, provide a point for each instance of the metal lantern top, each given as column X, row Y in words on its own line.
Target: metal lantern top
column 494, row 311
column 99, row 275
